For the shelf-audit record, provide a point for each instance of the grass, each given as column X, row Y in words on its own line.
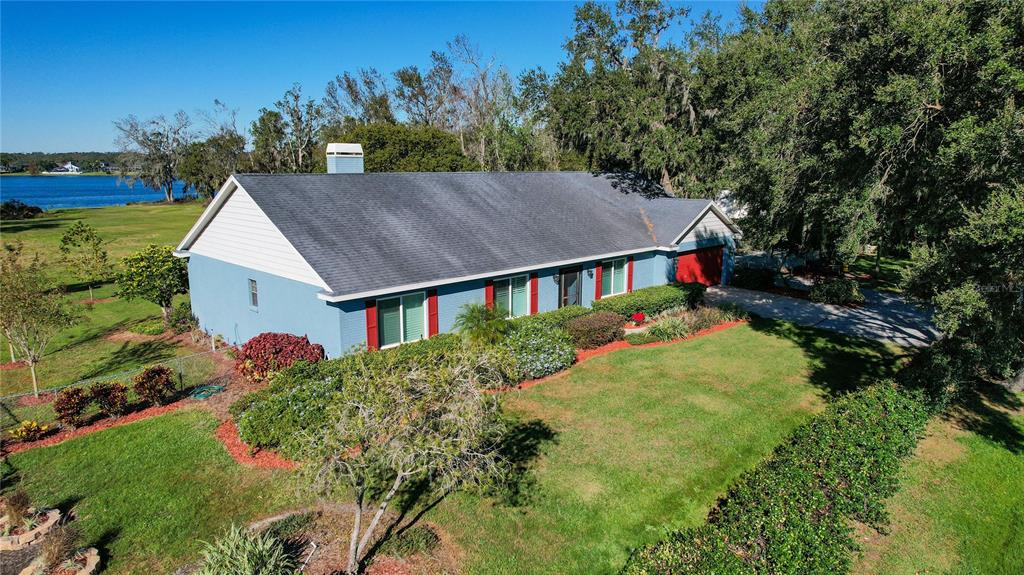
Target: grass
column 622, row 458
column 890, row 270
column 961, row 506
column 145, row 494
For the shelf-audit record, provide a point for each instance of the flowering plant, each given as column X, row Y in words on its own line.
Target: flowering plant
column 28, row 431
column 638, row 318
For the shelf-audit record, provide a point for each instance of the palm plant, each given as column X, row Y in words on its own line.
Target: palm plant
column 481, row 325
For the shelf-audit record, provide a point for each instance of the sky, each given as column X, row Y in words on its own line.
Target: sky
column 69, row 70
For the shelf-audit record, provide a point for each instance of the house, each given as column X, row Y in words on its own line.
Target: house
column 66, row 168
column 379, row 259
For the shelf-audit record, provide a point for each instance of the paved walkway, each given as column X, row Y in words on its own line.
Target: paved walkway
column 884, row 317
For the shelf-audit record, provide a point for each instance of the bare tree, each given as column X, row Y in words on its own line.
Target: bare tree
column 430, row 99
column 364, row 97
column 303, row 120
column 152, row 149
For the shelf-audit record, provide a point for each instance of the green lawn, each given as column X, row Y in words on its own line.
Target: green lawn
column 146, row 493
column 889, row 275
column 615, row 452
column 961, row 506
column 84, row 351
column 644, row 440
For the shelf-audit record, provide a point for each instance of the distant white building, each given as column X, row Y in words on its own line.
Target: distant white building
column 731, row 205
column 66, row 168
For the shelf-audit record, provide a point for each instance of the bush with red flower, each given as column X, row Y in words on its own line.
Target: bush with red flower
column 268, row 353
column 638, row 318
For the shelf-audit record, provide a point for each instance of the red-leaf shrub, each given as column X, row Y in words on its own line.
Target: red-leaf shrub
column 155, row 385
column 70, row 404
column 267, row 353
column 596, row 329
column 111, row 398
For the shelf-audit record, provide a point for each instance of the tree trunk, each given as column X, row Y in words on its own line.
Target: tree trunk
column 10, row 348
column 353, row 543
column 91, row 298
column 666, row 181
column 35, row 382
column 381, row 510
column 169, row 194
column 165, row 311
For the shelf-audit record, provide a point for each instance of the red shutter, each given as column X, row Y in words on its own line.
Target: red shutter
column 533, row 294
column 431, row 313
column 597, row 280
column 489, row 293
column 371, row 324
column 629, row 274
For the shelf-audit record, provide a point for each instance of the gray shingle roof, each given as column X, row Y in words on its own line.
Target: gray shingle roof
column 364, row 232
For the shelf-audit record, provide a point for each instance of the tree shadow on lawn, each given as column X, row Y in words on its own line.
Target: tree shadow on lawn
column 988, row 410
column 130, row 356
column 839, row 363
column 520, row 447
column 38, row 223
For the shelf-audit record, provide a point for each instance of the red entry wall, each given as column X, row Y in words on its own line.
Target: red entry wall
column 702, row 266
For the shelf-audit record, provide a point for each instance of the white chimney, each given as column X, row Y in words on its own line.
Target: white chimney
column 344, row 159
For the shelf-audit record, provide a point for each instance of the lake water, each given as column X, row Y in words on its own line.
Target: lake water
column 49, row 192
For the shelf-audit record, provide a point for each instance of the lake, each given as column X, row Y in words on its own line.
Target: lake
column 49, row 192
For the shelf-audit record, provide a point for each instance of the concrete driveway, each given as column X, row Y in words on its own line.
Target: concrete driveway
column 884, row 317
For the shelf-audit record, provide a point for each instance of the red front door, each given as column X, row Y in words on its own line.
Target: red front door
column 702, row 266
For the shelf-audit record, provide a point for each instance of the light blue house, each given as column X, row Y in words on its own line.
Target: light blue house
column 381, row 259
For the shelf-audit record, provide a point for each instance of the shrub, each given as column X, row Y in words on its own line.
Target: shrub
column 753, row 278
column 417, row 539
column 182, row 320
column 242, row 551
column 111, row 398
column 28, row 430
column 792, row 513
column 16, row 506
column 638, row 318
column 595, row 330
column 18, row 210
column 540, row 350
column 155, row 385
column 838, row 291
column 58, row 546
column 556, row 318
column 669, row 328
column 70, row 404
column 154, row 327
column 267, row 353
column 652, row 300
column 481, row 325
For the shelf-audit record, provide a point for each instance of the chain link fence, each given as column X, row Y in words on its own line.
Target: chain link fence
column 191, row 371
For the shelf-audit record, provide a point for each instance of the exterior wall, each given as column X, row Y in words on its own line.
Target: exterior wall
column 710, row 226
column 220, row 300
column 344, row 164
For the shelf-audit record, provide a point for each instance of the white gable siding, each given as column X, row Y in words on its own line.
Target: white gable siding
column 241, row 234
column 709, row 226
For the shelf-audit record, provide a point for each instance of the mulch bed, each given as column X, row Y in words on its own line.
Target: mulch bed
column 13, row 365
column 31, row 400
column 227, row 433
column 585, row 354
column 101, row 425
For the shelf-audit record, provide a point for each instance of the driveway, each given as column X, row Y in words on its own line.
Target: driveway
column 883, row 317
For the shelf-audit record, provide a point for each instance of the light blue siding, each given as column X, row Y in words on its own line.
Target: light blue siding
column 220, row 300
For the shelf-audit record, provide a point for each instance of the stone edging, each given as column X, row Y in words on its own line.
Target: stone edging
column 18, row 542
column 92, row 561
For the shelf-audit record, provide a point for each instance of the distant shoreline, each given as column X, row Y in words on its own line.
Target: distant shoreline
column 26, row 174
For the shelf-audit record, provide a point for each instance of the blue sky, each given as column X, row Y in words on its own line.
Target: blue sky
column 68, row 70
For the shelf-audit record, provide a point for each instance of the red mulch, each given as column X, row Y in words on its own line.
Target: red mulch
column 13, row 365
column 227, row 433
column 31, row 400
column 98, row 426
column 585, row 354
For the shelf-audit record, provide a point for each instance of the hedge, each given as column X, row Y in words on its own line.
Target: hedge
column 556, row 318
column 652, row 300
column 539, row 350
column 596, row 329
column 793, row 512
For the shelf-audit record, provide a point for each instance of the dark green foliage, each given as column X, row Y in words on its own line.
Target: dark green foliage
column 182, row 319
column 539, row 349
column 155, row 385
column 403, row 148
column 753, row 278
column 110, row 397
column 640, row 338
column 18, row 210
column 70, row 404
column 556, row 318
column 653, row 300
column 418, row 539
column 291, row 525
column 840, row 291
column 792, row 513
column 596, row 329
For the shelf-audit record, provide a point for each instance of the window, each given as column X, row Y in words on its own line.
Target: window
column 613, row 277
column 254, row 296
column 510, row 296
column 401, row 319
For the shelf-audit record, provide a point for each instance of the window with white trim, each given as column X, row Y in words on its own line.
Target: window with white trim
column 511, row 296
column 254, row 296
column 401, row 319
column 613, row 277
